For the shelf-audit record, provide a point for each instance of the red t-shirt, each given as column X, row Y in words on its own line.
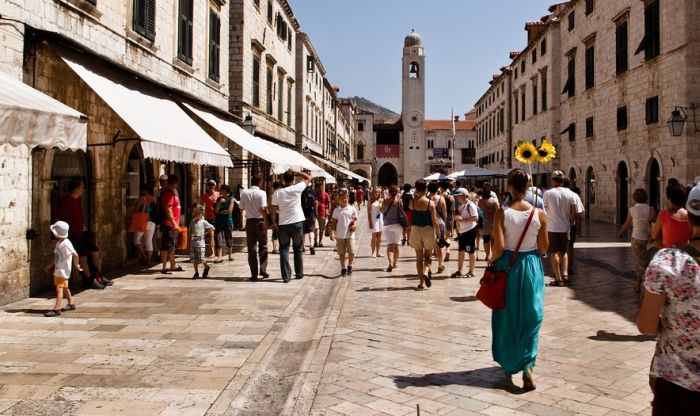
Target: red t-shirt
column 168, row 198
column 323, row 200
column 70, row 210
column 359, row 194
column 208, row 202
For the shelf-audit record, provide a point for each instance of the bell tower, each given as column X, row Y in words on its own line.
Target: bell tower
column 413, row 107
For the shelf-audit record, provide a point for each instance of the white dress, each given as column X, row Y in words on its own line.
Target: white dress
column 377, row 217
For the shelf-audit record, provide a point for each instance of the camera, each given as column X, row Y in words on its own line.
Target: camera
column 441, row 242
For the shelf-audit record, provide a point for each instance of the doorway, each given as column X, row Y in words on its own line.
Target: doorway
column 622, row 192
column 590, row 191
column 654, row 183
column 388, row 175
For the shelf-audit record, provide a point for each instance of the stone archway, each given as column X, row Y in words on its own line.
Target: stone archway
column 653, row 175
column 622, row 180
column 388, row 175
column 572, row 176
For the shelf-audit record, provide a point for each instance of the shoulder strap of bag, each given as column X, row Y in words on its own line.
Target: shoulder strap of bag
column 522, row 237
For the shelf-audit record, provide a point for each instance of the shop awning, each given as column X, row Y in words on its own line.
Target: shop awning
column 280, row 157
column 350, row 174
column 28, row 116
column 166, row 131
column 261, row 148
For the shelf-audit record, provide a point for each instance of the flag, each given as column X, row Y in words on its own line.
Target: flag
column 454, row 133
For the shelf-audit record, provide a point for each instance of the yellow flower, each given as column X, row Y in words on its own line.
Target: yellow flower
column 526, row 153
column 546, row 152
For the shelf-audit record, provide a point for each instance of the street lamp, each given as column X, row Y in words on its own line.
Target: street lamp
column 249, row 125
column 306, row 152
column 677, row 120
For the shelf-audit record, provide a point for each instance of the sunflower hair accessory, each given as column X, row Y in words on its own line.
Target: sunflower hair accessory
column 546, row 152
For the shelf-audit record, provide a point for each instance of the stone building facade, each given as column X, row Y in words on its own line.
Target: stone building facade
column 37, row 35
column 494, row 135
column 310, row 96
column 445, row 155
column 615, row 72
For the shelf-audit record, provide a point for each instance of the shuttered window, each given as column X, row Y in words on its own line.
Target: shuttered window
column 652, row 110
column 269, row 95
column 144, row 22
column 622, row 118
column 256, row 80
column 184, row 30
column 214, row 45
column 590, row 67
column 651, row 42
column 621, row 59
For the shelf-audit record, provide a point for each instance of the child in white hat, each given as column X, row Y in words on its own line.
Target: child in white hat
column 64, row 254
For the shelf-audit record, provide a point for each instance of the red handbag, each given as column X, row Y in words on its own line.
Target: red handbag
column 492, row 291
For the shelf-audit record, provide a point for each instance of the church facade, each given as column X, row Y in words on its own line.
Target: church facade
column 398, row 151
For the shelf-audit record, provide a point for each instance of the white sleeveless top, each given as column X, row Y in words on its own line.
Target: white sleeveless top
column 515, row 223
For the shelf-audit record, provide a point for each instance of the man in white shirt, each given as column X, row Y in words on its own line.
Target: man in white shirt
column 287, row 202
column 254, row 204
column 575, row 224
column 560, row 207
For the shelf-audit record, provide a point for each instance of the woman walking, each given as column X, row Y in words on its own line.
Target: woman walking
column 441, row 210
column 671, row 309
column 424, row 233
column 672, row 222
column 406, row 197
column 224, row 223
column 143, row 227
column 375, row 220
column 523, row 229
column 640, row 217
column 391, row 210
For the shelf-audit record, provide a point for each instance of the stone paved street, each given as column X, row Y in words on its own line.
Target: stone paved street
column 365, row 345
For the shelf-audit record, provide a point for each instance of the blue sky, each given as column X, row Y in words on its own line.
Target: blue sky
column 466, row 41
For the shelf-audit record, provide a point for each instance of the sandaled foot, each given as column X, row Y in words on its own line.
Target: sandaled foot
column 528, row 380
column 69, row 307
column 441, row 269
column 565, row 279
column 52, row 313
column 556, row 283
column 428, row 279
column 420, row 287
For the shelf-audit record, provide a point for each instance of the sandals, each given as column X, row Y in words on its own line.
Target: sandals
column 52, row 313
column 441, row 269
column 69, row 307
column 420, row 287
column 528, row 382
column 429, row 276
column 177, row 269
column 556, row 283
column 565, row 279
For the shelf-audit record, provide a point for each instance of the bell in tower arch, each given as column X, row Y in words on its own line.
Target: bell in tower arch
column 413, row 70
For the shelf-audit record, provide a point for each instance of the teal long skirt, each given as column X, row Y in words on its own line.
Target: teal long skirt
column 516, row 327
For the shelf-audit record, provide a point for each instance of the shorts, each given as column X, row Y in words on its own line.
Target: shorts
column 467, row 241
column 169, row 237
column 309, row 225
column 345, row 245
column 393, row 234
column 486, row 238
column 422, row 238
column 224, row 236
column 60, row 282
column 197, row 254
column 450, row 223
column 82, row 244
column 557, row 242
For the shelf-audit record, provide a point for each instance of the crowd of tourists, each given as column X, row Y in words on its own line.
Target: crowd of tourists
column 516, row 235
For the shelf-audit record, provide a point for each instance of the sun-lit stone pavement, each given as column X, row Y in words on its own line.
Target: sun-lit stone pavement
column 365, row 345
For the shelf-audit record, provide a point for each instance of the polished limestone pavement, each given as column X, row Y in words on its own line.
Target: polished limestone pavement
column 369, row 344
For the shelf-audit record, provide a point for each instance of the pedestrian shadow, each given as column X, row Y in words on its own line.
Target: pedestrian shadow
column 323, row 276
column 463, row 298
column 385, row 289
column 611, row 336
column 27, row 311
column 490, row 378
column 398, row 276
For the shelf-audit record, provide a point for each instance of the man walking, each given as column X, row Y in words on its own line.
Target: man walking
column 287, row 201
column 170, row 228
column 489, row 205
column 254, row 204
column 560, row 207
column 323, row 208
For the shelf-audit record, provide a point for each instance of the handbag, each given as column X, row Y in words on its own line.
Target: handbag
column 403, row 219
column 139, row 218
column 492, row 290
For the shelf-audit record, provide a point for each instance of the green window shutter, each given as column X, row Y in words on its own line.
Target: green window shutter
column 214, row 45
column 185, row 30
column 150, row 18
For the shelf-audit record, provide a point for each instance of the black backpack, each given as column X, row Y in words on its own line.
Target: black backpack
column 308, row 202
column 157, row 211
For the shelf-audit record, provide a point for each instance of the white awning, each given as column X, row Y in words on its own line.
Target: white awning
column 259, row 147
column 166, row 131
column 280, row 157
column 28, row 116
column 350, row 174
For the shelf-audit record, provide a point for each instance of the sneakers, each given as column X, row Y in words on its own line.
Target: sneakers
column 343, row 272
column 428, row 279
column 195, row 275
column 349, row 270
column 52, row 313
column 264, row 275
column 96, row 285
column 69, row 307
column 312, row 251
column 470, row 275
column 101, row 279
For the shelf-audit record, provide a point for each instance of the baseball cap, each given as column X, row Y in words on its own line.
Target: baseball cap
column 558, row 174
column 163, row 177
column 60, row 229
column 462, row 191
column 211, row 182
column 693, row 204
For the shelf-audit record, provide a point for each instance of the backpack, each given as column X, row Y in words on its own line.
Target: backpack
column 480, row 221
column 308, row 202
column 157, row 211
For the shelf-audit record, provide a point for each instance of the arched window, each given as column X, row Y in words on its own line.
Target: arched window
column 360, row 153
column 413, row 70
